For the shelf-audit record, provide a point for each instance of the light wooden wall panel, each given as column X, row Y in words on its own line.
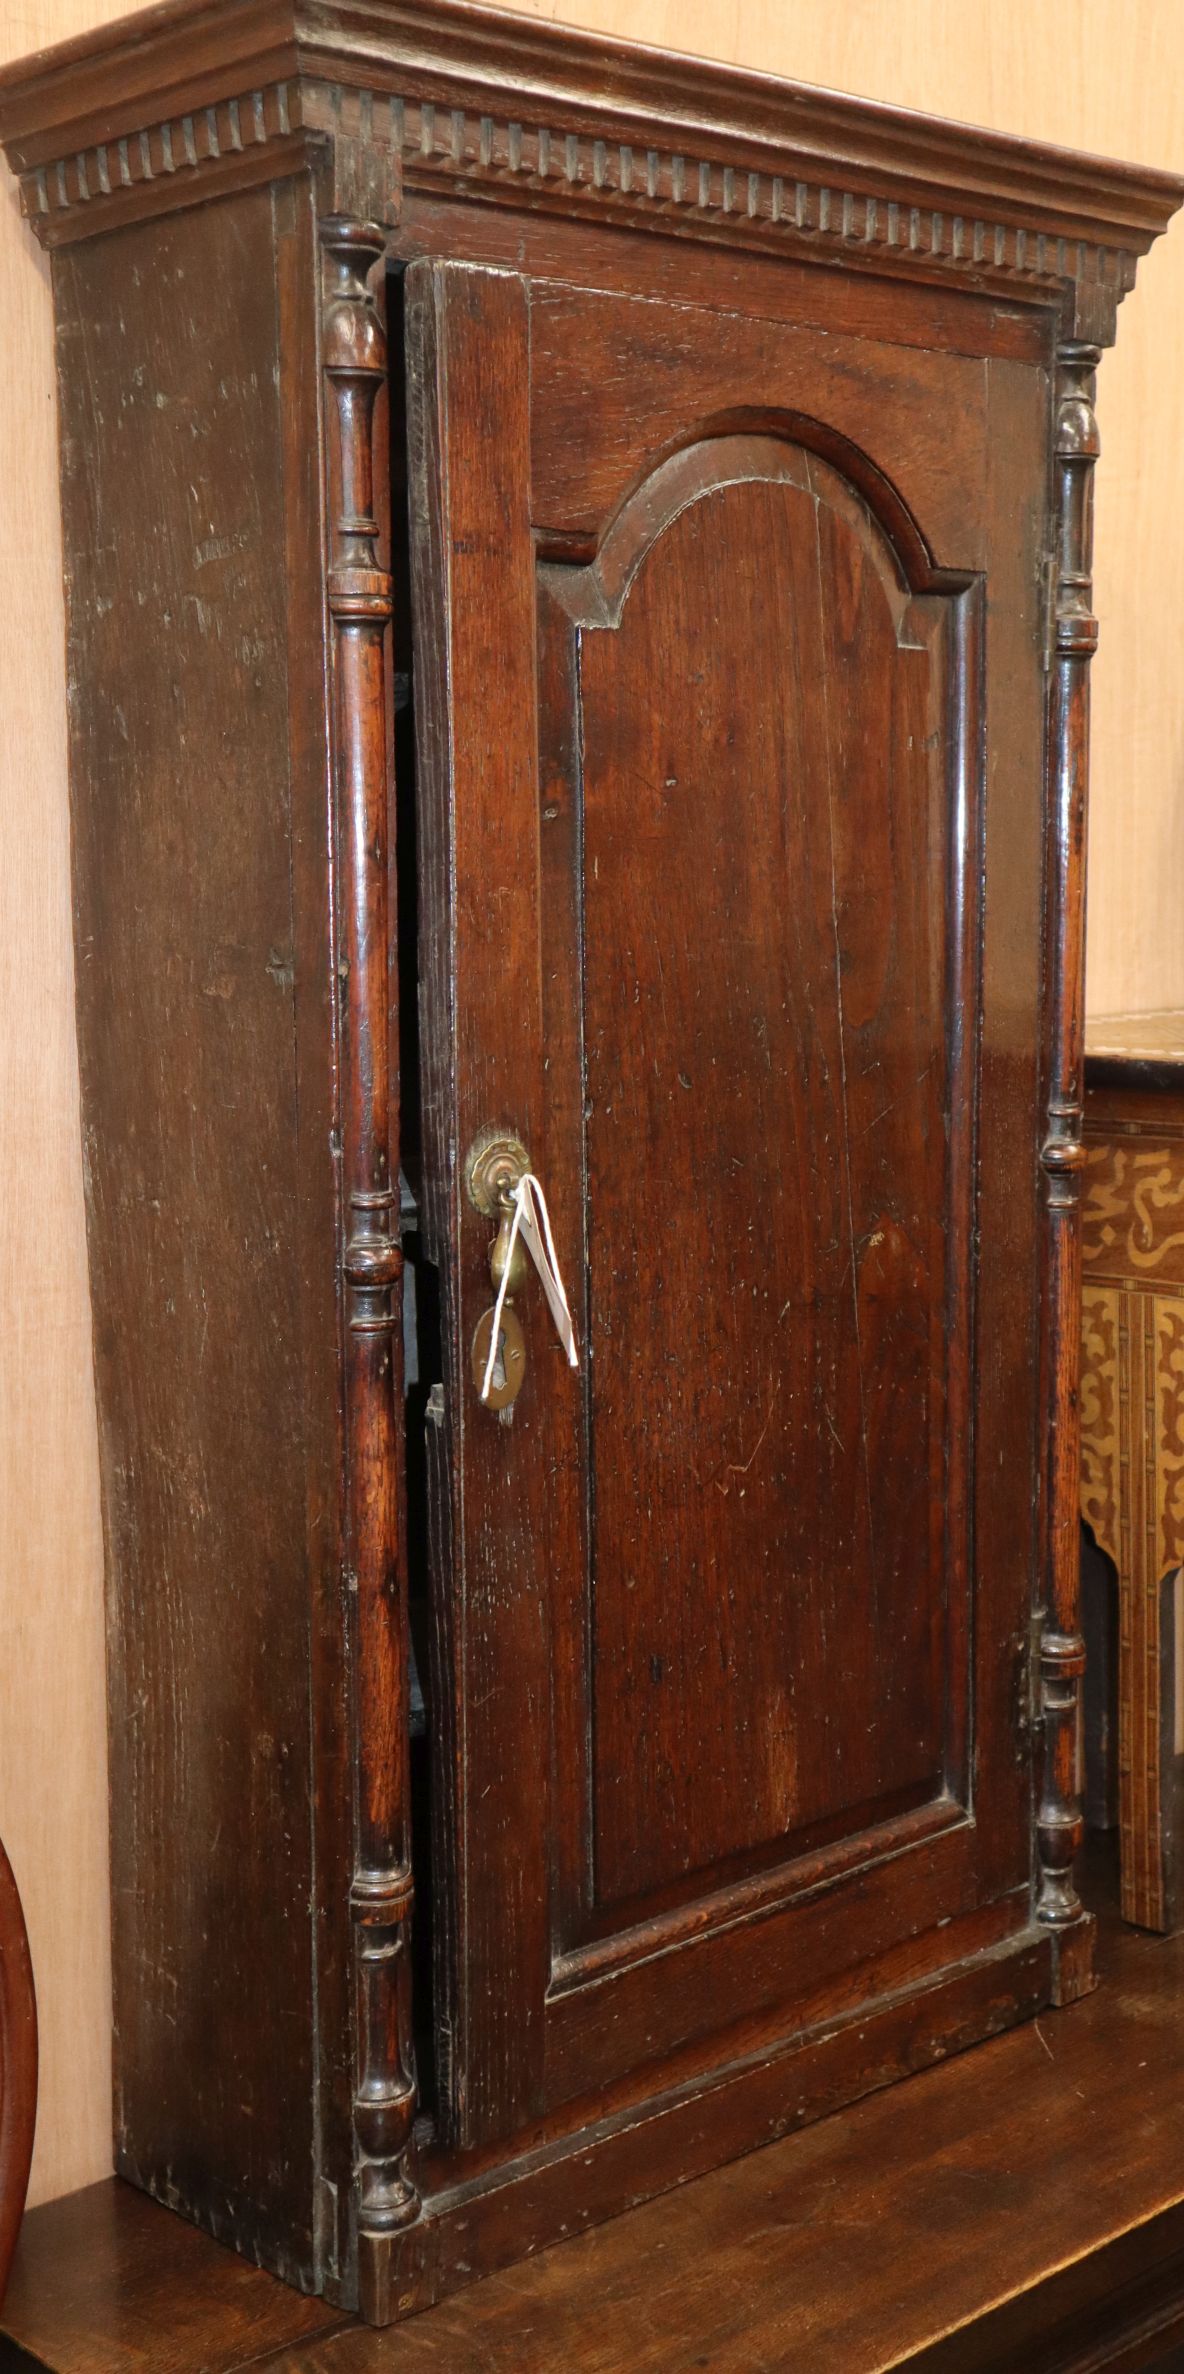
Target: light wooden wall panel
column 1107, row 74
column 53, row 1770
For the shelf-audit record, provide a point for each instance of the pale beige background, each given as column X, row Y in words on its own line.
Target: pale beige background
column 1105, row 74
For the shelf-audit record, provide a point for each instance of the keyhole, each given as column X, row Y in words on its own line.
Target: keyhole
column 507, row 1366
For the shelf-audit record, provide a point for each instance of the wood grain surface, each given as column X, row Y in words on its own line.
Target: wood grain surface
column 108, row 2282
column 807, row 2254
column 689, row 1039
column 186, row 923
column 822, row 1083
column 1112, row 81
column 1108, row 78
column 943, row 2227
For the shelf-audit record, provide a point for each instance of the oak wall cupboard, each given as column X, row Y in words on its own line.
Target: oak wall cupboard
column 579, row 621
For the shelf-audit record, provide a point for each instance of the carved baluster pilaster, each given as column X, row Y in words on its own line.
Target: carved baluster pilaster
column 381, row 1894
column 1062, row 1651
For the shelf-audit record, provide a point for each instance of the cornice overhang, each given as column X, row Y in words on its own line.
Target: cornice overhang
column 163, row 107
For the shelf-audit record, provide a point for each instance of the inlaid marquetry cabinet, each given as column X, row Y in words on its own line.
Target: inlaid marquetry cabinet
column 1132, row 1420
column 578, row 568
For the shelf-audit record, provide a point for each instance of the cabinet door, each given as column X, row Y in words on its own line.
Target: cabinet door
column 727, row 1705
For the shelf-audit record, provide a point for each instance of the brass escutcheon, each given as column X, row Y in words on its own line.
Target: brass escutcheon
column 493, row 1166
column 510, row 1367
column 496, row 1161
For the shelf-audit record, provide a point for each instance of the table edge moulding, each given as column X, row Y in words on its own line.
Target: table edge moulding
column 359, row 111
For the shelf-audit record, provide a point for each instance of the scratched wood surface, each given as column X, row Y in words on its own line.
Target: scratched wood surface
column 685, row 1034
column 819, row 1083
column 1109, row 80
column 939, row 2227
column 872, row 2240
column 108, row 2282
column 194, row 1193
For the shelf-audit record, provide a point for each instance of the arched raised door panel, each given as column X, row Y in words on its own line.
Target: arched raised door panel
column 701, row 692
column 744, row 713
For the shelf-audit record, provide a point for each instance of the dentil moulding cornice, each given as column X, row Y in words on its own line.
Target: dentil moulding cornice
column 168, row 106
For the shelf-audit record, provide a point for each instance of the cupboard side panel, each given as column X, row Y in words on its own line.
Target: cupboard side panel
column 1005, row 1392
column 187, row 930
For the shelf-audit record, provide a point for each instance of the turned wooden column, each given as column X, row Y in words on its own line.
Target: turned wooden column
column 1062, row 1650
column 359, row 599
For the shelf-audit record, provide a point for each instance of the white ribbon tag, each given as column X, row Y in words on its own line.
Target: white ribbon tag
column 533, row 1204
column 530, row 1206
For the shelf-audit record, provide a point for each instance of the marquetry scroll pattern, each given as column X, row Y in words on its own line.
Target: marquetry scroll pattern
column 1132, row 1480
column 438, row 147
column 1133, row 1220
column 1101, row 1496
column 1062, row 1650
column 359, row 596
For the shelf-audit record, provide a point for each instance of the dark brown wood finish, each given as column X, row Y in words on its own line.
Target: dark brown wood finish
column 108, row 2282
column 916, row 2230
column 944, row 2228
column 381, row 1893
column 1062, row 1650
column 479, row 826
column 18, row 2066
column 743, row 422
column 198, row 1165
column 807, row 1267
column 805, row 1624
column 553, row 120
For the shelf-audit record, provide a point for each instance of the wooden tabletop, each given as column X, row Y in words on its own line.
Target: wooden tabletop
column 1143, row 1048
column 1020, row 2207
